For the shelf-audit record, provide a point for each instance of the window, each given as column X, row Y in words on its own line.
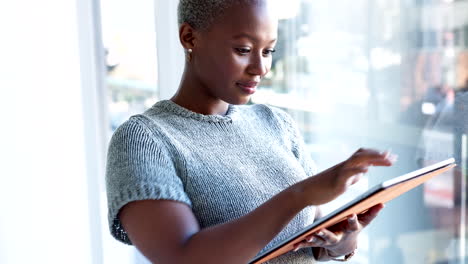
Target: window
column 389, row 75
column 129, row 38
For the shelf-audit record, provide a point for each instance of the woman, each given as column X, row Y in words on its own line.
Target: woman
column 200, row 179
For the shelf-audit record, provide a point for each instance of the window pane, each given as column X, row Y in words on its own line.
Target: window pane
column 387, row 74
column 129, row 37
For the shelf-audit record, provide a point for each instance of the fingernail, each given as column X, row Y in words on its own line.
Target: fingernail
column 296, row 249
column 320, row 233
column 312, row 240
column 392, row 158
column 352, row 219
column 386, row 153
column 350, row 180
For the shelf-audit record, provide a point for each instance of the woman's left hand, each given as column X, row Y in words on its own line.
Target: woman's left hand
column 341, row 238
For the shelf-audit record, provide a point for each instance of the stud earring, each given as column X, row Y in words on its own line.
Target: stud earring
column 189, row 54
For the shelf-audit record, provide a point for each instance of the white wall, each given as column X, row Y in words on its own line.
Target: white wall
column 44, row 213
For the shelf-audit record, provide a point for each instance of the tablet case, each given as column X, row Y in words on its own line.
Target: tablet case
column 381, row 193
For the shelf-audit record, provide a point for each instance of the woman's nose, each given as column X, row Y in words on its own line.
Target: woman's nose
column 259, row 65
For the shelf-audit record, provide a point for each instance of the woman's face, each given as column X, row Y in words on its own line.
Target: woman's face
column 233, row 56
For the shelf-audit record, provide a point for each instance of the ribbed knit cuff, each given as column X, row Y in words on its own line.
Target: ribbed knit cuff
column 143, row 192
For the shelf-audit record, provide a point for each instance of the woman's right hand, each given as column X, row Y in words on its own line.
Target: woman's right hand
column 327, row 185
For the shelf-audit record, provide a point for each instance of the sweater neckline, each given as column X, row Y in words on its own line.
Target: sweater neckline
column 182, row 111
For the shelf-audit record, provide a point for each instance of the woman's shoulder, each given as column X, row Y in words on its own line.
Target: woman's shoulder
column 151, row 121
column 149, row 126
column 134, row 128
column 270, row 113
column 265, row 109
column 136, row 123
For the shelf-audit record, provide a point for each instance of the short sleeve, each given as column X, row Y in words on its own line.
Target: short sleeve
column 298, row 146
column 139, row 167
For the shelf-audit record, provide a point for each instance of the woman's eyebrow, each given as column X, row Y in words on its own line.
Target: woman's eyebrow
column 250, row 37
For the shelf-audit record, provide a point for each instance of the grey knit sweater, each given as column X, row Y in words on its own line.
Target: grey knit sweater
column 223, row 167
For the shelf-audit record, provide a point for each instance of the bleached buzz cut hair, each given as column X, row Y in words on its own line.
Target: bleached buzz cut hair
column 200, row 14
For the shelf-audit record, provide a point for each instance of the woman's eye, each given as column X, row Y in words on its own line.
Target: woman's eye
column 269, row 51
column 243, row 50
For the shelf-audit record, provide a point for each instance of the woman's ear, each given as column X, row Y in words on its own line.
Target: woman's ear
column 187, row 36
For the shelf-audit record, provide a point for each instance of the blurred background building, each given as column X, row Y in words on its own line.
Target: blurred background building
column 388, row 74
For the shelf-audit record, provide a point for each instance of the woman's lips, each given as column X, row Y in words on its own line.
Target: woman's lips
column 248, row 87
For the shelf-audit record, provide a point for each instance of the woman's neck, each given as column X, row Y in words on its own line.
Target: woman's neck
column 192, row 96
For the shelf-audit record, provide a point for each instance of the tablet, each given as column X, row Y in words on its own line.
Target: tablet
column 381, row 193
